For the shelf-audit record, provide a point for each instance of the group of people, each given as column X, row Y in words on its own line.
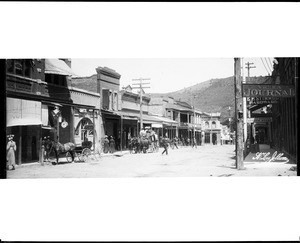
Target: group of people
column 109, row 144
column 186, row 141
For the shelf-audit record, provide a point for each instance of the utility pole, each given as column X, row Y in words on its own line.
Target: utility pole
column 140, row 86
column 194, row 132
column 238, row 111
column 248, row 66
column 245, row 114
column 211, row 136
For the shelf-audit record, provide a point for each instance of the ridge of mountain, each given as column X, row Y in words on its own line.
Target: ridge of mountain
column 214, row 95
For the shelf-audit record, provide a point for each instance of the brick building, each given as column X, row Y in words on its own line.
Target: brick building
column 37, row 102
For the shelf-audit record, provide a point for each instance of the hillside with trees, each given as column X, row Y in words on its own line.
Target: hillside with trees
column 214, row 95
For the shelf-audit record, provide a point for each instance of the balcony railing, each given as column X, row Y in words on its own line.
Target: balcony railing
column 30, row 86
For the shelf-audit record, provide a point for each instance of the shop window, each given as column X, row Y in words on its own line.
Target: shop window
column 206, row 125
column 21, row 67
column 18, row 67
column 48, row 78
column 10, row 66
column 213, row 124
column 28, row 68
column 105, row 99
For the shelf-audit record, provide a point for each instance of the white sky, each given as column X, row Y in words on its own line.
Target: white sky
column 168, row 74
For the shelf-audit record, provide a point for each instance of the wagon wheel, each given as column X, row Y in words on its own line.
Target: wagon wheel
column 86, row 153
column 51, row 156
column 144, row 149
column 69, row 157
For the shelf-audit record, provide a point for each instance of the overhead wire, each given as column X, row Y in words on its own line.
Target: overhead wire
column 271, row 64
column 268, row 65
column 264, row 65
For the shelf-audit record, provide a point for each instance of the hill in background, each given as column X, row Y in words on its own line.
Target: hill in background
column 214, row 95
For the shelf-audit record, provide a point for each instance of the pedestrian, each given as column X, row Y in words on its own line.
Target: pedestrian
column 194, row 143
column 11, row 148
column 47, row 145
column 188, row 141
column 106, row 144
column 165, row 144
column 176, row 142
column 111, row 145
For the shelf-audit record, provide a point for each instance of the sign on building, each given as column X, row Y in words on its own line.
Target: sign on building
column 259, row 119
column 262, row 100
column 266, row 90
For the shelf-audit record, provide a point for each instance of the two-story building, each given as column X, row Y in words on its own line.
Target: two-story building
column 104, row 85
column 38, row 101
column 211, row 127
column 284, row 112
column 186, row 120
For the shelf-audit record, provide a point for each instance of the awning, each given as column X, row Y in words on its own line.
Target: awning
column 56, row 66
column 151, row 119
column 23, row 122
column 48, row 127
column 156, row 125
column 21, row 112
column 167, row 121
column 51, row 103
column 128, row 115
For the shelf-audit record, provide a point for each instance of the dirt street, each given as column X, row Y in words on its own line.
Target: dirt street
column 209, row 160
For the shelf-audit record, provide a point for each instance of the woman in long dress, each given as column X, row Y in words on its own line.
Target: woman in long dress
column 11, row 147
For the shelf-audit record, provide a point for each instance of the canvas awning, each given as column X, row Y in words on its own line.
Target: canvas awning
column 56, row 66
column 156, row 125
column 21, row 112
column 23, row 122
column 127, row 115
column 167, row 121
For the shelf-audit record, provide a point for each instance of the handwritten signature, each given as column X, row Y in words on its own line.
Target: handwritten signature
column 267, row 158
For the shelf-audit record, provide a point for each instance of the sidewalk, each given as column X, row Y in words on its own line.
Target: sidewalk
column 64, row 160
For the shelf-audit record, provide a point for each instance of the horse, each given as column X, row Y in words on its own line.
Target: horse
column 144, row 144
column 134, row 145
column 59, row 148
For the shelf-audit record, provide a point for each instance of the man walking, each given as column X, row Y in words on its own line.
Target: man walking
column 194, row 143
column 165, row 145
column 176, row 142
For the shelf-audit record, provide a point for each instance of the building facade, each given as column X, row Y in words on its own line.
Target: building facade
column 284, row 113
column 211, row 127
column 37, row 102
column 187, row 121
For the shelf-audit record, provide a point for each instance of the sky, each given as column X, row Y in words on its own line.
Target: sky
column 169, row 74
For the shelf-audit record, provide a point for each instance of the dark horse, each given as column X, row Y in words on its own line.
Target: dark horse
column 144, row 144
column 59, row 148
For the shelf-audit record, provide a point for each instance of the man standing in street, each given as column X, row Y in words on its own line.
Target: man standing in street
column 176, row 142
column 194, row 143
column 165, row 144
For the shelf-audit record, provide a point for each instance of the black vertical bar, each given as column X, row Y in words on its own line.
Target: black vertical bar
column 3, row 119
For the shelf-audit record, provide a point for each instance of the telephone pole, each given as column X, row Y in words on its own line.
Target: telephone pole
column 248, row 66
column 245, row 114
column 140, row 85
column 238, row 113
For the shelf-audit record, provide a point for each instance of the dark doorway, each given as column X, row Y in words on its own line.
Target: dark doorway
column 214, row 138
column 24, row 145
column 33, row 148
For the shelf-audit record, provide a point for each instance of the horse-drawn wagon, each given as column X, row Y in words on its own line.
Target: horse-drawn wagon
column 54, row 149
